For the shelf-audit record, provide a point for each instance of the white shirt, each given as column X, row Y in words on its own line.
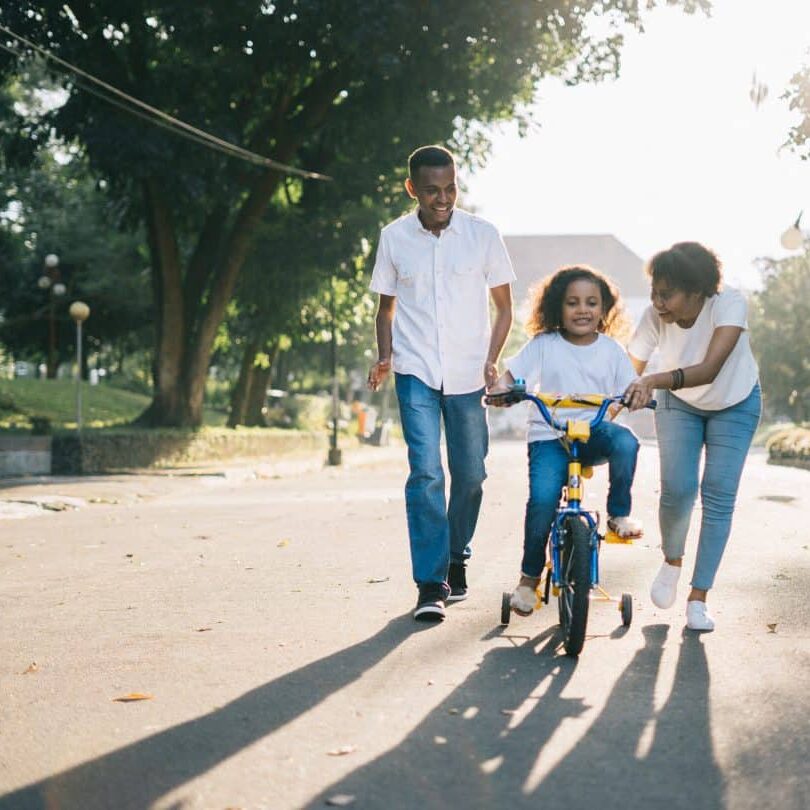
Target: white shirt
column 441, row 325
column 679, row 348
column 550, row 363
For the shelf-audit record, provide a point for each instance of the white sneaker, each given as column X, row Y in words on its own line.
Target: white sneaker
column 626, row 527
column 524, row 597
column 665, row 585
column 697, row 616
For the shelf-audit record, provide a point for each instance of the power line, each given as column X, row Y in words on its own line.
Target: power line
column 154, row 115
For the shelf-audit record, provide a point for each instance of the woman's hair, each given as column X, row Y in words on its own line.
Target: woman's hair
column 546, row 301
column 687, row 266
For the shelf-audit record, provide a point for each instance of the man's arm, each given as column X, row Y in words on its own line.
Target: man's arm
column 502, row 298
column 384, row 328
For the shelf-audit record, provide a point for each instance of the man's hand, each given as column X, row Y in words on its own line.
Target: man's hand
column 378, row 374
column 490, row 374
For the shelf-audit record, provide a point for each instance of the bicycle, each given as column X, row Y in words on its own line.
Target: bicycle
column 572, row 573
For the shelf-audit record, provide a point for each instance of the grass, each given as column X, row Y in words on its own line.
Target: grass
column 103, row 406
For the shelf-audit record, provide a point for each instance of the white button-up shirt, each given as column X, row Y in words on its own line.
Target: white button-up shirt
column 441, row 325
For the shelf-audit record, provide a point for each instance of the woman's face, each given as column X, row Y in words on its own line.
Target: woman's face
column 674, row 305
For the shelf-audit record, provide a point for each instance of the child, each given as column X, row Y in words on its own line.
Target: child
column 572, row 314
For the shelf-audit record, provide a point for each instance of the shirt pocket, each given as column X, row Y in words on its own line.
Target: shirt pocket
column 410, row 282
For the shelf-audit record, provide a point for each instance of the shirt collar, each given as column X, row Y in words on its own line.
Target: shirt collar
column 454, row 226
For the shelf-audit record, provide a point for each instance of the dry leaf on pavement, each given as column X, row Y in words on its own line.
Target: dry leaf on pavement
column 340, row 800
column 772, row 627
column 31, row 668
column 342, row 751
column 132, row 697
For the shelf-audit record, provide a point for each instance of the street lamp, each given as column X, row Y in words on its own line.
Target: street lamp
column 793, row 238
column 80, row 312
column 51, row 280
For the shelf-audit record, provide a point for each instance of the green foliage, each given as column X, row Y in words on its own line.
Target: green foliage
column 780, row 335
column 103, row 406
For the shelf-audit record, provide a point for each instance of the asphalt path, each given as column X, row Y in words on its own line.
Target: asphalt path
column 267, row 623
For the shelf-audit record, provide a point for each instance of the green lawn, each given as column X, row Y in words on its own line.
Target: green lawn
column 102, row 405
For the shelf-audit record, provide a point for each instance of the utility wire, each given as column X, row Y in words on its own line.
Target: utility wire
column 154, row 115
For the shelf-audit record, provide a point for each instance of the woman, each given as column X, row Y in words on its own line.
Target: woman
column 709, row 397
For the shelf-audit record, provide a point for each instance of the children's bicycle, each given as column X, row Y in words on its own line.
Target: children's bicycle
column 572, row 573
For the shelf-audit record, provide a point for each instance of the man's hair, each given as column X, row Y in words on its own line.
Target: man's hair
column 687, row 266
column 429, row 156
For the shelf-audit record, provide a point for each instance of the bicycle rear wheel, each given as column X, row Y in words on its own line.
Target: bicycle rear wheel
column 575, row 585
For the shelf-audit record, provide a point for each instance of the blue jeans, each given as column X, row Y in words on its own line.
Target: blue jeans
column 683, row 433
column 438, row 533
column 548, row 473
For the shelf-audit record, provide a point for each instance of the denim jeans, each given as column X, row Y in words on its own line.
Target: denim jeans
column 548, row 473
column 683, row 433
column 440, row 533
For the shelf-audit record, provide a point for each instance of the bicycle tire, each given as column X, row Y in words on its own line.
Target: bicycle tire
column 575, row 585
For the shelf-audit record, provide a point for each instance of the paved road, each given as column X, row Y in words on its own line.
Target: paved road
column 269, row 621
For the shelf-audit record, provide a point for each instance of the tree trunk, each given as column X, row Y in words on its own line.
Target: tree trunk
column 239, row 396
column 257, row 395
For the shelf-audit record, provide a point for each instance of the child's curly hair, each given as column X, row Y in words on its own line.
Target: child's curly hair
column 547, row 302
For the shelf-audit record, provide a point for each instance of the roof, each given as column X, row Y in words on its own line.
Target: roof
column 537, row 256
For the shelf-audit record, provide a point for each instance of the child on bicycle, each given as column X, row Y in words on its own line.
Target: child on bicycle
column 573, row 315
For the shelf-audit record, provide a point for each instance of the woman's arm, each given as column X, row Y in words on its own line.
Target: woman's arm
column 723, row 341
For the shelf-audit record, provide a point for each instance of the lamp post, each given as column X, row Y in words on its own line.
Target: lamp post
column 80, row 312
column 50, row 280
column 793, row 238
column 335, row 457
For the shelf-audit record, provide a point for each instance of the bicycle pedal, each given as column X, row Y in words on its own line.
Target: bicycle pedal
column 612, row 537
column 555, row 591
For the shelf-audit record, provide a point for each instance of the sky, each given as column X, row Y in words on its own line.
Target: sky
column 672, row 150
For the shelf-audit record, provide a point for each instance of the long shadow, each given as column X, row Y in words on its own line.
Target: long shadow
column 635, row 757
column 479, row 742
column 491, row 759
column 133, row 777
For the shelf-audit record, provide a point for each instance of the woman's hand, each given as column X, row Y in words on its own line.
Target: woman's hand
column 639, row 393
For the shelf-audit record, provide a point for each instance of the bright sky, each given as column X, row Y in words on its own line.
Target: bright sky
column 673, row 149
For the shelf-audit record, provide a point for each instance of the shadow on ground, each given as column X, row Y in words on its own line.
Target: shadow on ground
column 630, row 756
column 136, row 776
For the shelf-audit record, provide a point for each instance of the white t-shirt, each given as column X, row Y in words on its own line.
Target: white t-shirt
column 680, row 348
column 550, row 363
column 441, row 325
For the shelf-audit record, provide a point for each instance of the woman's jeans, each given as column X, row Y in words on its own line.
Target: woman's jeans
column 440, row 534
column 683, row 432
column 548, row 473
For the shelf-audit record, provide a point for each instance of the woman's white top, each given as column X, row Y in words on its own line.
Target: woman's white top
column 550, row 363
column 681, row 347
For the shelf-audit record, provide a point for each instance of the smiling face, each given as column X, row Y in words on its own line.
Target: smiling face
column 582, row 311
column 434, row 188
column 674, row 305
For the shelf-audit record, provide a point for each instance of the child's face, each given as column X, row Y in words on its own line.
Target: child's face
column 582, row 310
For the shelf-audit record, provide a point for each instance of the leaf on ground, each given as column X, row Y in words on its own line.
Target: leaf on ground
column 31, row 668
column 341, row 800
column 373, row 581
column 132, row 697
column 202, row 629
column 452, row 711
column 508, row 712
column 440, row 740
column 342, row 751
column 772, row 627
column 282, row 543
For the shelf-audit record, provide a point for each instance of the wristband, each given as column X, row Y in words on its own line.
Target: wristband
column 677, row 379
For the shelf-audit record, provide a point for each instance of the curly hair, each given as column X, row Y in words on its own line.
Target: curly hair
column 687, row 266
column 546, row 301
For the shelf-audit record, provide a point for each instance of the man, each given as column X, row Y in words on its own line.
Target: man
column 433, row 269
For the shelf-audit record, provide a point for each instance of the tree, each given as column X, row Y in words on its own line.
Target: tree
column 273, row 76
column 780, row 334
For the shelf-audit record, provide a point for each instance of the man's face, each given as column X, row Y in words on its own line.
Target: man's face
column 434, row 188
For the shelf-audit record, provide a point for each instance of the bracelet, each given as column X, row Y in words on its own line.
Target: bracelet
column 677, row 379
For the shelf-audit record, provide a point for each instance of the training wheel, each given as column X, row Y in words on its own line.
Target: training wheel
column 626, row 609
column 506, row 607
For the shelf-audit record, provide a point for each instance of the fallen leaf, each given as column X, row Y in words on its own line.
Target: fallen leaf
column 440, row 740
column 129, row 555
column 452, row 711
column 342, row 751
column 772, row 627
column 202, row 629
column 373, row 581
column 132, row 697
column 31, row 668
column 507, row 712
column 340, row 800
column 282, row 543
column 202, row 536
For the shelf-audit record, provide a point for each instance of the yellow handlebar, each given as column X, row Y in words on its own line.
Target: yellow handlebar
column 572, row 400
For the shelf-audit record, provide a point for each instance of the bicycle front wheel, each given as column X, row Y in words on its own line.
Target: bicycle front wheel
column 575, row 584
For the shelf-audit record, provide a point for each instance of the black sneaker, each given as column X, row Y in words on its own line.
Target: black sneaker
column 430, row 605
column 457, row 579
